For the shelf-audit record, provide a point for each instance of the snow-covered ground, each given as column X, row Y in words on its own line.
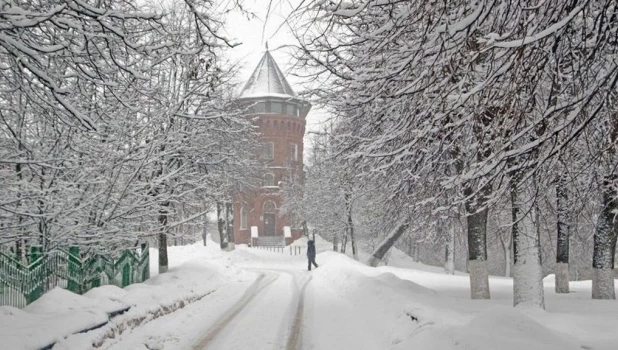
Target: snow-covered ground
column 256, row 299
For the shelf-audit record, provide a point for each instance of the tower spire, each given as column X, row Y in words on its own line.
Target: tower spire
column 266, row 45
column 267, row 79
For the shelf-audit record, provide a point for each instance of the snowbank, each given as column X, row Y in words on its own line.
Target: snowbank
column 504, row 328
column 195, row 272
column 379, row 310
column 55, row 315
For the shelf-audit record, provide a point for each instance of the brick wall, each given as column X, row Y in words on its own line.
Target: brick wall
column 282, row 130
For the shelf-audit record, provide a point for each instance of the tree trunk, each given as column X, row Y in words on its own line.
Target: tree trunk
column 350, row 225
column 163, row 219
column 387, row 243
column 615, row 242
column 476, row 209
column 221, row 226
column 336, row 238
column 344, row 243
column 353, row 243
column 305, row 229
column 562, row 227
column 507, row 260
column 507, row 245
column 604, row 245
column 229, row 225
column 477, row 244
column 205, row 229
column 449, row 261
column 527, row 270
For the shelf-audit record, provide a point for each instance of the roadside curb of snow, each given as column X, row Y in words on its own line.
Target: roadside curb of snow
column 110, row 316
column 129, row 322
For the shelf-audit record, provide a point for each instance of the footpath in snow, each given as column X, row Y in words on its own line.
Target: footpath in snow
column 256, row 299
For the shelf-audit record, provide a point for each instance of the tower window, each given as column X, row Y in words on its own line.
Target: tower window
column 268, row 150
column 292, row 110
column 259, row 107
column 293, row 152
column 243, row 218
column 276, row 107
column 269, row 180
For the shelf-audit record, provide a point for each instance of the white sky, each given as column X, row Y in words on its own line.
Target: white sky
column 255, row 32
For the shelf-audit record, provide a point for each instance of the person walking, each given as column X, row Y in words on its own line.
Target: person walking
column 311, row 254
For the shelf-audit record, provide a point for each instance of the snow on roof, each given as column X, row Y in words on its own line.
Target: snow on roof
column 267, row 80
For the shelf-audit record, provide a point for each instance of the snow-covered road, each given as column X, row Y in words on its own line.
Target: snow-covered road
column 269, row 313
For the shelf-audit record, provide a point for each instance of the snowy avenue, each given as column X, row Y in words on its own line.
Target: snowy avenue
column 308, row 174
column 258, row 299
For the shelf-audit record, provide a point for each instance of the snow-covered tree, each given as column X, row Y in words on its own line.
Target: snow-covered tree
column 495, row 89
column 114, row 127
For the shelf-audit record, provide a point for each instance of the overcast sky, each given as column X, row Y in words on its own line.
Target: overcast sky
column 254, row 33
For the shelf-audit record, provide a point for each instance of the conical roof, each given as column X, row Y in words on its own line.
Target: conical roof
column 267, row 80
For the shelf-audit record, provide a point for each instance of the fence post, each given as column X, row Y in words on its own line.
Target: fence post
column 145, row 255
column 96, row 280
column 36, row 251
column 126, row 274
column 72, row 283
column 35, row 279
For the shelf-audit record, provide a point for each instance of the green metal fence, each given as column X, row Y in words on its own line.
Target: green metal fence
column 21, row 284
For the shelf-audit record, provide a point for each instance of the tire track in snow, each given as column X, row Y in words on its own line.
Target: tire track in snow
column 293, row 333
column 295, row 338
column 257, row 286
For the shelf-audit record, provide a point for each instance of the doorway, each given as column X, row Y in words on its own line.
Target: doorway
column 269, row 224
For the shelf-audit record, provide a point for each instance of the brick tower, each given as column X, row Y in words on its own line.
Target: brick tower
column 280, row 116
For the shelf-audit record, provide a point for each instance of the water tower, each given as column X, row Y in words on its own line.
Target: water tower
column 279, row 115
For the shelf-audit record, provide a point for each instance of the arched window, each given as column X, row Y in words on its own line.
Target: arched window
column 269, row 179
column 269, row 207
column 243, row 218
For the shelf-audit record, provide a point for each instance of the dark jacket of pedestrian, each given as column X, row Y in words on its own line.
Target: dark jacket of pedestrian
column 311, row 249
column 311, row 254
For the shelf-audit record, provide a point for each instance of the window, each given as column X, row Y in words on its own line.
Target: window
column 268, row 150
column 292, row 110
column 269, row 207
column 293, row 152
column 259, row 107
column 243, row 218
column 269, row 180
column 276, row 107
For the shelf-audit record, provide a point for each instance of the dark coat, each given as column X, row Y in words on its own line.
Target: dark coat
column 311, row 249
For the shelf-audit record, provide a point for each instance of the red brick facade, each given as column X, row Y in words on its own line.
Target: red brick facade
column 284, row 128
column 280, row 117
